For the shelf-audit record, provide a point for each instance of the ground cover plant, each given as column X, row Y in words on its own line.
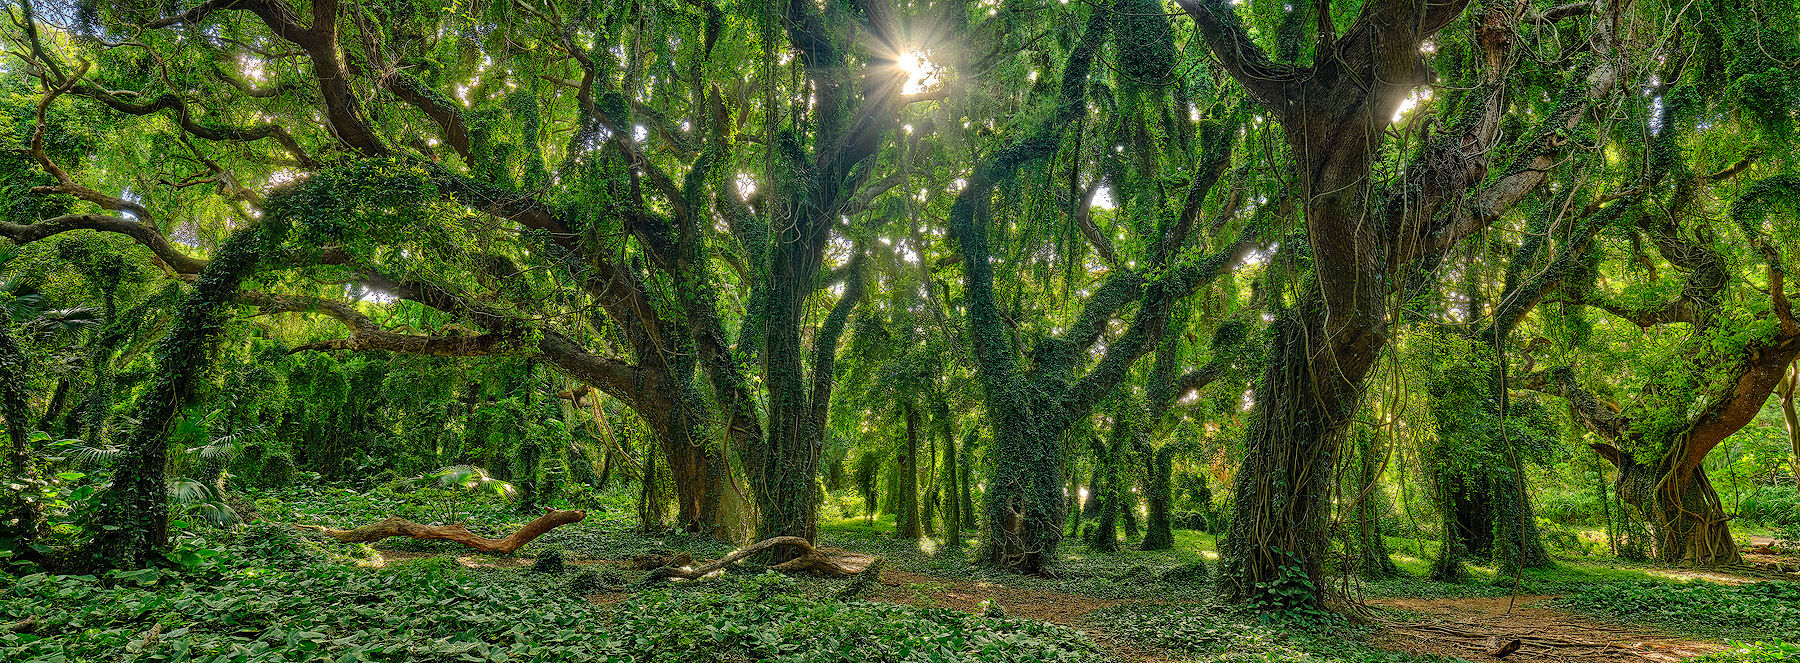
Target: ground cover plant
column 1743, row 611
column 908, row 330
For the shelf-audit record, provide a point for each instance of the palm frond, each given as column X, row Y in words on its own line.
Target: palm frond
column 186, row 491
column 203, row 500
column 218, row 514
column 89, row 456
column 471, row 478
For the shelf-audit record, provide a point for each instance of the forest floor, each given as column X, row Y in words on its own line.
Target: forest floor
column 270, row 589
column 1465, row 627
column 1406, row 617
column 1468, row 627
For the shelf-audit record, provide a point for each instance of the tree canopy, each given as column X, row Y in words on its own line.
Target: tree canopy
column 999, row 257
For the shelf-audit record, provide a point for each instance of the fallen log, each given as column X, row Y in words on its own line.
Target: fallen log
column 809, row 561
column 397, row 526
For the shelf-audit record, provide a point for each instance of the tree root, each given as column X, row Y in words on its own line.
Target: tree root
column 397, row 526
column 810, row 561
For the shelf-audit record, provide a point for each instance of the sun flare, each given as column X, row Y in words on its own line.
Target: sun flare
column 921, row 72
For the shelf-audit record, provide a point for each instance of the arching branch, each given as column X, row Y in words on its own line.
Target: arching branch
column 319, row 39
column 166, row 256
column 365, row 334
column 184, row 118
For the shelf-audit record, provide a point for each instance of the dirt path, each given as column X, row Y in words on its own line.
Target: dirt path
column 1464, row 626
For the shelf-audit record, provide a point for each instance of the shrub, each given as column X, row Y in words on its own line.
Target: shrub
column 1771, row 504
column 551, row 562
column 278, row 546
column 588, row 583
column 278, row 471
column 1566, row 541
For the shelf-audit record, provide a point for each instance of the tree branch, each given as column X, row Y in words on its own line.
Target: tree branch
column 1238, row 54
column 165, row 255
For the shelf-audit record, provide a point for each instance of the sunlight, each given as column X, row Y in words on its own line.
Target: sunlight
column 921, row 72
column 1103, row 199
column 746, row 186
column 1412, row 101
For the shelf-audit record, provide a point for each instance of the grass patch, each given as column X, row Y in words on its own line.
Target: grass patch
column 1565, row 577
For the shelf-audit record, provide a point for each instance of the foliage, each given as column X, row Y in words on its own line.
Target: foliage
column 1757, row 610
column 435, row 610
column 1773, row 651
column 1214, row 632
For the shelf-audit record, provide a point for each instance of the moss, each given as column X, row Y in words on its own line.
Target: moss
column 1146, row 46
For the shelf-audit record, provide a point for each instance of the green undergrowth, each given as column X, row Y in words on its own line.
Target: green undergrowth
column 1206, row 632
column 610, row 530
column 292, row 608
column 1563, row 578
column 1757, row 611
column 1181, row 573
column 1775, row 651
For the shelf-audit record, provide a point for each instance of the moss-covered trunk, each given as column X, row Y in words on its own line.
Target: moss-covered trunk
column 133, row 522
column 1274, row 552
column 952, row 500
column 1159, row 468
column 21, row 518
column 906, row 517
column 1111, row 486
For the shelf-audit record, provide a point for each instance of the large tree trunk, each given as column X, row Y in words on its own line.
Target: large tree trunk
column 695, row 470
column 1159, row 466
column 1517, row 541
column 782, row 466
column 952, row 498
column 1468, row 520
column 21, row 518
column 1105, row 535
column 906, row 517
column 133, row 521
column 1685, row 514
column 1277, row 540
column 1024, row 497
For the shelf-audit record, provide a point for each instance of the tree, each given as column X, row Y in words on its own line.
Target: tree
column 365, row 106
column 1365, row 243
column 1032, row 396
column 1708, row 383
